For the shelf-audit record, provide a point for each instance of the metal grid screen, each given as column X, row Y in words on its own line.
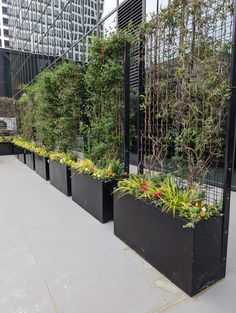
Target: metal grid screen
column 187, row 74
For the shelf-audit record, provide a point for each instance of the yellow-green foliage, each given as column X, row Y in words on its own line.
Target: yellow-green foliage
column 113, row 170
column 62, row 157
column 5, row 139
column 163, row 191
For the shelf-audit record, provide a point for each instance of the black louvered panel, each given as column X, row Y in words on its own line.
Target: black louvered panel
column 132, row 11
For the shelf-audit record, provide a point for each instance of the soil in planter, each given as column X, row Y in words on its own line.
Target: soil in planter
column 191, row 258
column 93, row 195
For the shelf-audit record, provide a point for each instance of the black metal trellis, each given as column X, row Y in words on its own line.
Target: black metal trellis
column 22, row 59
column 230, row 150
column 126, row 106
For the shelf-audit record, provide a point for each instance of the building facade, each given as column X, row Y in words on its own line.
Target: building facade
column 50, row 27
column 4, row 27
column 41, row 32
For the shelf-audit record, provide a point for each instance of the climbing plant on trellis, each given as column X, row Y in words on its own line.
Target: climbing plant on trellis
column 187, row 66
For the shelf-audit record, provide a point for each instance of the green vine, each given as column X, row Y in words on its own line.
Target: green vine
column 53, row 105
column 105, row 81
column 187, row 87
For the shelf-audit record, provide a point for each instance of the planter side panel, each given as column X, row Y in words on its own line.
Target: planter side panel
column 22, row 157
column 6, row 148
column 30, row 160
column 157, row 237
column 207, row 254
column 60, row 177
column 42, row 166
column 17, row 150
column 94, row 196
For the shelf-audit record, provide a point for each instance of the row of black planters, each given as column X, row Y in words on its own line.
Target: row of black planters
column 191, row 258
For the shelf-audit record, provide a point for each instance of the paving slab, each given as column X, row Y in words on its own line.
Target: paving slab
column 56, row 258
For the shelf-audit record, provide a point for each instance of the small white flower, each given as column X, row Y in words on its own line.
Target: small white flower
column 204, row 209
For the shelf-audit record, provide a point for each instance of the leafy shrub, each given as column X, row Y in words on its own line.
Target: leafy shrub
column 104, row 80
column 51, row 108
column 27, row 106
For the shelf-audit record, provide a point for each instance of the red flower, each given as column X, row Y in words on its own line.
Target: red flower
column 144, row 187
column 157, row 195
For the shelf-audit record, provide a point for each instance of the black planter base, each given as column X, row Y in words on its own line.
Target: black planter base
column 30, row 161
column 6, row 148
column 42, row 166
column 191, row 258
column 93, row 195
column 60, row 177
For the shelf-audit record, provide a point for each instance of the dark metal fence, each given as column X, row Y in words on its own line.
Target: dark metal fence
column 44, row 32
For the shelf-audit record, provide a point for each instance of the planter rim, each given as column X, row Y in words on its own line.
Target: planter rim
column 75, row 172
column 116, row 194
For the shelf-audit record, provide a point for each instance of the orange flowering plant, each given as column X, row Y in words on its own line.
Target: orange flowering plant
column 163, row 191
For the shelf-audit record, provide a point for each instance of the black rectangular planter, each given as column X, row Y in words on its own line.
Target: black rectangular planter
column 41, row 166
column 17, row 150
column 6, row 148
column 60, row 177
column 189, row 257
column 21, row 155
column 93, row 195
column 30, row 161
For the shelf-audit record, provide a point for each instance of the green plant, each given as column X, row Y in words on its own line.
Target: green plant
column 112, row 170
column 28, row 145
column 177, row 199
column 27, row 106
column 5, row 139
column 84, row 166
column 104, row 80
column 31, row 146
column 163, row 191
column 186, row 87
column 60, row 106
column 63, row 157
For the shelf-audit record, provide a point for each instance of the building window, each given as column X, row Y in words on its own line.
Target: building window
column 4, row 10
column 6, row 32
column 6, row 43
column 5, row 21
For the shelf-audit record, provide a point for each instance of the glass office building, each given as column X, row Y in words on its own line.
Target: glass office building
column 44, row 31
column 4, row 27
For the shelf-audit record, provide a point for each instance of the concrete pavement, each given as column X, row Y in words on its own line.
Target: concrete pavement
column 56, row 258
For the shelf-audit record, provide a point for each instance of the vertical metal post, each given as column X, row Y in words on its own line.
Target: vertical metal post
column 140, row 114
column 230, row 151
column 126, row 106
